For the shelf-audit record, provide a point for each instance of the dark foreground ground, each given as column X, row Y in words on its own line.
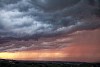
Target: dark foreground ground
column 13, row 63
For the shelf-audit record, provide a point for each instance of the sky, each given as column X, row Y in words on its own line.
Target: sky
column 50, row 30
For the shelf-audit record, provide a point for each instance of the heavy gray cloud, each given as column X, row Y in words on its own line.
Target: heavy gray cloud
column 29, row 18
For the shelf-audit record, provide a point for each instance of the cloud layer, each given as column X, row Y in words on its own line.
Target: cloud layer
column 40, row 18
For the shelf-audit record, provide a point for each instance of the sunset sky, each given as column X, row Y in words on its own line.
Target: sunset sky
column 50, row 30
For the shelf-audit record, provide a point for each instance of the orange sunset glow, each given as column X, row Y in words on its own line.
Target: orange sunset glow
column 33, row 55
column 86, row 49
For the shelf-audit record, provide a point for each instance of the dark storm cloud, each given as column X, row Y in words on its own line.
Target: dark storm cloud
column 54, row 4
column 26, row 18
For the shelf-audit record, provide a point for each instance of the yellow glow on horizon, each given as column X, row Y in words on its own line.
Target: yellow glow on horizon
column 6, row 55
column 42, row 55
